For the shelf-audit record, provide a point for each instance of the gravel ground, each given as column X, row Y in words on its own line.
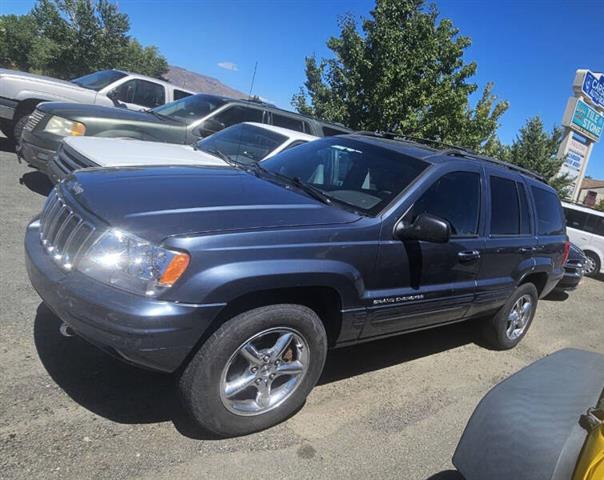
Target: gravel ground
column 388, row 409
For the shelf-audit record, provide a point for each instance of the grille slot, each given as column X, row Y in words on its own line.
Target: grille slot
column 63, row 232
column 34, row 119
column 68, row 160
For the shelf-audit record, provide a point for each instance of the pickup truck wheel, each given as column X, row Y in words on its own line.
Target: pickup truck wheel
column 512, row 321
column 255, row 371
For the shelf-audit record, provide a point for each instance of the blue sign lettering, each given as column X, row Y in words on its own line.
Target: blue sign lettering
column 594, row 88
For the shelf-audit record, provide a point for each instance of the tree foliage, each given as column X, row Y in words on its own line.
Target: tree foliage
column 537, row 150
column 403, row 70
column 70, row 38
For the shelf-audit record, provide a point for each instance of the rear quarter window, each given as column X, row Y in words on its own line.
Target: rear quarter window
column 550, row 219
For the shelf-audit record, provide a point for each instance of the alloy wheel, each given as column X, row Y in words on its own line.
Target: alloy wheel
column 519, row 317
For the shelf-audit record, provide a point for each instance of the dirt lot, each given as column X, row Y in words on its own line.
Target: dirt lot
column 389, row 409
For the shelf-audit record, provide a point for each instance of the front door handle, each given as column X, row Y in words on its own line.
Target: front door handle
column 468, row 255
column 526, row 250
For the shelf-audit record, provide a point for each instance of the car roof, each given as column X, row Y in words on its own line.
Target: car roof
column 156, row 80
column 292, row 134
column 583, row 208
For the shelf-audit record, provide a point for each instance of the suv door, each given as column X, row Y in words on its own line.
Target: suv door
column 510, row 240
column 422, row 283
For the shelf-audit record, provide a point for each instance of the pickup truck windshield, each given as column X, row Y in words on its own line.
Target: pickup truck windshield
column 243, row 143
column 98, row 80
column 190, row 108
column 366, row 177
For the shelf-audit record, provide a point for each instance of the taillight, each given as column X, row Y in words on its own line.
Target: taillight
column 566, row 252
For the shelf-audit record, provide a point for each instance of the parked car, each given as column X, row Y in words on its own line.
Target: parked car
column 585, row 228
column 573, row 269
column 242, row 143
column 544, row 422
column 21, row 92
column 240, row 279
column 183, row 122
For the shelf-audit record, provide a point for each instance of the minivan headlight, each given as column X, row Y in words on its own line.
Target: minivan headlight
column 65, row 128
column 128, row 262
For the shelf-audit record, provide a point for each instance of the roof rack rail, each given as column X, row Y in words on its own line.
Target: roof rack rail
column 453, row 150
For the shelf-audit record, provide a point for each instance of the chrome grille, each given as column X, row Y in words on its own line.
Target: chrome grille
column 68, row 161
column 34, row 119
column 64, row 234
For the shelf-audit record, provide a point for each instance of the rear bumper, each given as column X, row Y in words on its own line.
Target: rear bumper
column 146, row 332
column 570, row 280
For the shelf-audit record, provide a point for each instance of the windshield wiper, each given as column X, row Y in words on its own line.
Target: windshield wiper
column 311, row 190
column 221, row 155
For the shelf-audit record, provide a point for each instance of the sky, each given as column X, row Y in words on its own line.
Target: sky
column 530, row 49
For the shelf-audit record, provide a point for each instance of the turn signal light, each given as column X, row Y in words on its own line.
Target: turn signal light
column 174, row 270
column 78, row 129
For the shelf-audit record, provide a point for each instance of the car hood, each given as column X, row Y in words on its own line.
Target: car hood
column 82, row 111
column 39, row 78
column 118, row 152
column 157, row 202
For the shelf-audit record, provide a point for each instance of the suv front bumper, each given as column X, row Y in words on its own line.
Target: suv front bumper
column 146, row 332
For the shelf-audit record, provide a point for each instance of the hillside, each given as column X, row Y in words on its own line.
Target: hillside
column 200, row 83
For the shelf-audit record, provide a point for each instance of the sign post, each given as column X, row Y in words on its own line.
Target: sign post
column 583, row 122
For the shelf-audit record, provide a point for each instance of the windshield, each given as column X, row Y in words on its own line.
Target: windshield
column 98, row 80
column 243, row 143
column 190, row 108
column 366, row 177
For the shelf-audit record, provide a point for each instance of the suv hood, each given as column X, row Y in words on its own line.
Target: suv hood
column 157, row 202
column 82, row 111
column 38, row 78
column 116, row 152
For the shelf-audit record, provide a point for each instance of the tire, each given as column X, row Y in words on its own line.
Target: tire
column 592, row 264
column 18, row 128
column 205, row 382
column 499, row 331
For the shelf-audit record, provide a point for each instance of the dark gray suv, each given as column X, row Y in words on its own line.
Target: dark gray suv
column 240, row 279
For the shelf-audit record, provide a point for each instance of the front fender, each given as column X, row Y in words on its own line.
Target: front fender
column 227, row 282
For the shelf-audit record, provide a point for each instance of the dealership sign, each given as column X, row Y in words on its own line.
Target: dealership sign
column 593, row 88
column 582, row 118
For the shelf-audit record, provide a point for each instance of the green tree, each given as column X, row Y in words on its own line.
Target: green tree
column 401, row 70
column 70, row 38
column 537, row 150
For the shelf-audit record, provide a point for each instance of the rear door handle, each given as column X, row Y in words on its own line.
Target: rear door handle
column 468, row 255
column 526, row 249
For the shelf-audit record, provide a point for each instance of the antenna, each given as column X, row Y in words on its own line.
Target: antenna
column 249, row 97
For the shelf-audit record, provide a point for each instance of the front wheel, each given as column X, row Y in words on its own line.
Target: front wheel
column 512, row 321
column 592, row 264
column 255, row 371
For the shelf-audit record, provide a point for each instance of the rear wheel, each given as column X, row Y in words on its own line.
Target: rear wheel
column 512, row 321
column 592, row 264
column 255, row 371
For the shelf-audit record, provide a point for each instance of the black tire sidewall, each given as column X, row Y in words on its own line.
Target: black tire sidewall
column 597, row 264
column 18, row 128
column 200, row 381
column 497, row 334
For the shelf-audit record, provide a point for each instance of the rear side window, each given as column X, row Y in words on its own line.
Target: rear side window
column 575, row 218
column 239, row 114
column 330, row 132
column 505, row 211
column 594, row 224
column 455, row 197
column 550, row 220
column 288, row 122
column 178, row 94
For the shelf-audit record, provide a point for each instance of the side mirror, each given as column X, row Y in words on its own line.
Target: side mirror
column 209, row 127
column 426, row 227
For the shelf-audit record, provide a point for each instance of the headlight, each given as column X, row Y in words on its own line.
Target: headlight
column 62, row 126
column 133, row 264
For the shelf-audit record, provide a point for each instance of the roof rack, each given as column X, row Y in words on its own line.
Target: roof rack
column 452, row 150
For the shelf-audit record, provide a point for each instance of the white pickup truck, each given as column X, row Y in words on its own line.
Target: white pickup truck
column 20, row 92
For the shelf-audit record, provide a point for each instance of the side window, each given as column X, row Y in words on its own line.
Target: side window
column 288, row 122
column 141, row 92
column 505, row 211
column 239, row 114
column 178, row 94
column 330, row 132
column 525, row 219
column 575, row 218
column 594, row 224
column 454, row 197
column 294, row 144
column 549, row 212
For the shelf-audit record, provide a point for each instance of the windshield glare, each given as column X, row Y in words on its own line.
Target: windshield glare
column 98, row 80
column 190, row 108
column 243, row 143
column 366, row 177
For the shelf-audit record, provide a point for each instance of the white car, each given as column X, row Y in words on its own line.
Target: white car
column 244, row 142
column 585, row 228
